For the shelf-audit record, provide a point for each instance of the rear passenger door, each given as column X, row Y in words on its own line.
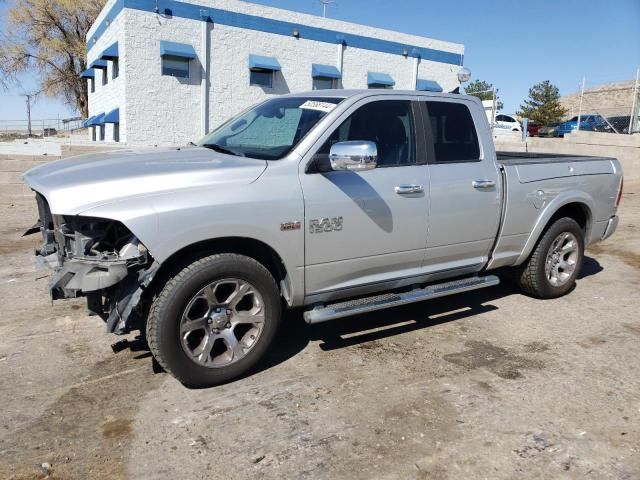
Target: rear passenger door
column 464, row 186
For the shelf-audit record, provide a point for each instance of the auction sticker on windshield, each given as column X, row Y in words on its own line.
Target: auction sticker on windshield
column 325, row 107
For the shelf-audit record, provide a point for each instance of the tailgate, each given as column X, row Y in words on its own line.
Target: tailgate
column 533, row 172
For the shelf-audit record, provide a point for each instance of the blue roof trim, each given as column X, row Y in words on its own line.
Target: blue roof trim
column 278, row 27
column 99, row 64
column 110, row 53
column 377, row 78
column 428, row 86
column 172, row 49
column 88, row 73
column 325, row 71
column 258, row 62
column 112, row 117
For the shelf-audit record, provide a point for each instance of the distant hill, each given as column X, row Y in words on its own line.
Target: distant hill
column 609, row 100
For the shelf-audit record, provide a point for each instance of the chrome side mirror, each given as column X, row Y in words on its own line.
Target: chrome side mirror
column 354, row 155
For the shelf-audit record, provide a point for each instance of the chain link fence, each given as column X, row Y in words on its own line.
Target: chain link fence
column 45, row 127
column 612, row 108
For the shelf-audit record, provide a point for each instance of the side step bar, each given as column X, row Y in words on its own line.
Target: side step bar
column 387, row 300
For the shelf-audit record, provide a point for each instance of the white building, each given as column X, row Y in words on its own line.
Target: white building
column 167, row 72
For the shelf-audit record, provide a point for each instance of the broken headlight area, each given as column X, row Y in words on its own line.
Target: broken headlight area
column 99, row 259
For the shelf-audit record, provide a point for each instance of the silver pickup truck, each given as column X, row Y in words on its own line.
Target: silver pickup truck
column 340, row 202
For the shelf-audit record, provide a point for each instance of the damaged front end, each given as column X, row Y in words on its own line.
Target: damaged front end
column 97, row 258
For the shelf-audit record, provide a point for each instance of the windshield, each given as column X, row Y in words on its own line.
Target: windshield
column 270, row 130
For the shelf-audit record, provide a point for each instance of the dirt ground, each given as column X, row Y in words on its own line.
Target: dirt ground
column 490, row 384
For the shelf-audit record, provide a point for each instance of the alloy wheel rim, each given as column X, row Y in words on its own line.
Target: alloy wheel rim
column 562, row 259
column 222, row 323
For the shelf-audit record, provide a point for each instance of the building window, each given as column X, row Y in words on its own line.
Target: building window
column 321, row 83
column 93, row 134
column 92, row 84
column 175, row 67
column 105, row 77
column 261, row 78
column 116, row 132
column 115, row 69
column 377, row 86
column 102, row 132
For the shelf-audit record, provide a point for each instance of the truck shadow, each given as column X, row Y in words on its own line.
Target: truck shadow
column 295, row 334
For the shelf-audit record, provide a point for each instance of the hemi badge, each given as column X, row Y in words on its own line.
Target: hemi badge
column 288, row 226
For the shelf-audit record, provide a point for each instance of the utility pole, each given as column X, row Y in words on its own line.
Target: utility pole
column 580, row 106
column 634, row 115
column 28, row 97
column 325, row 4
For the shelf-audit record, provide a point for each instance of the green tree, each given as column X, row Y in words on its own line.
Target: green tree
column 483, row 90
column 543, row 105
column 47, row 37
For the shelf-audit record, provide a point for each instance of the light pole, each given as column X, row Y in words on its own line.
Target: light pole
column 28, row 97
column 325, row 4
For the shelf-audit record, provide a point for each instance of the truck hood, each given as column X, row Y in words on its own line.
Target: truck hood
column 76, row 184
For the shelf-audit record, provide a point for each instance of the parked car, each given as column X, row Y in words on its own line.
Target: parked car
column 550, row 130
column 336, row 202
column 508, row 122
column 587, row 122
column 533, row 128
column 619, row 124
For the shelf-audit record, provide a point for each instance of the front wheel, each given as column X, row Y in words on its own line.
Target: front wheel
column 214, row 320
column 555, row 263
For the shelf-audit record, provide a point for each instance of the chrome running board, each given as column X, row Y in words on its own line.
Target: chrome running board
column 386, row 300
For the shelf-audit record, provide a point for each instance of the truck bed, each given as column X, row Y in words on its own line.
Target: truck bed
column 525, row 158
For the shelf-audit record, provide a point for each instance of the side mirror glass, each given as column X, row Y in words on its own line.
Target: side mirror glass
column 354, row 155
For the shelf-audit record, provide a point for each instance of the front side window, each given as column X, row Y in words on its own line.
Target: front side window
column 388, row 123
column 270, row 130
column 175, row 67
column 320, row 83
column 454, row 133
column 102, row 133
column 92, row 84
column 105, row 76
column 261, row 78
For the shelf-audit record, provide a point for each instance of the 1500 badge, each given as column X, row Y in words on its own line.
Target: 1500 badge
column 324, row 225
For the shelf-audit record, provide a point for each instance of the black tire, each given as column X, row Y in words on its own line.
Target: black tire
column 165, row 316
column 533, row 277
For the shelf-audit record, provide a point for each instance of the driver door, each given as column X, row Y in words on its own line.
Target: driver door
column 362, row 227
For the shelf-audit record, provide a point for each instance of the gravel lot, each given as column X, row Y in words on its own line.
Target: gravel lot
column 485, row 385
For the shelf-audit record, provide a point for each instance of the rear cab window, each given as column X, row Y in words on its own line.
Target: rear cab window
column 453, row 133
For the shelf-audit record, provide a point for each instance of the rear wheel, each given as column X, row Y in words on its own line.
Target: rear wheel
column 214, row 320
column 555, row 263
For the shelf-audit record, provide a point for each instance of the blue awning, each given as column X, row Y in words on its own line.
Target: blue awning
column 88, row 73
column 95, row 120
column 172, row 49
column 258, row 62
column 428, row 86
column 325, row 71
column 112, row 117
column 110, row 53
column 382, row 79
column 99, row 64
column 87, row 122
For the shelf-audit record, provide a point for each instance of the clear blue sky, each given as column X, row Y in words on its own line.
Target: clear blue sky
column 510, row 43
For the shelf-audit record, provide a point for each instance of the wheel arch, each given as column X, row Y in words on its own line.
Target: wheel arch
column 579, row 208
column 250, row 247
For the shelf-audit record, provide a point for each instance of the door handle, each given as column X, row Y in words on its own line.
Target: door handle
column 409, row 189
column 483, row 184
